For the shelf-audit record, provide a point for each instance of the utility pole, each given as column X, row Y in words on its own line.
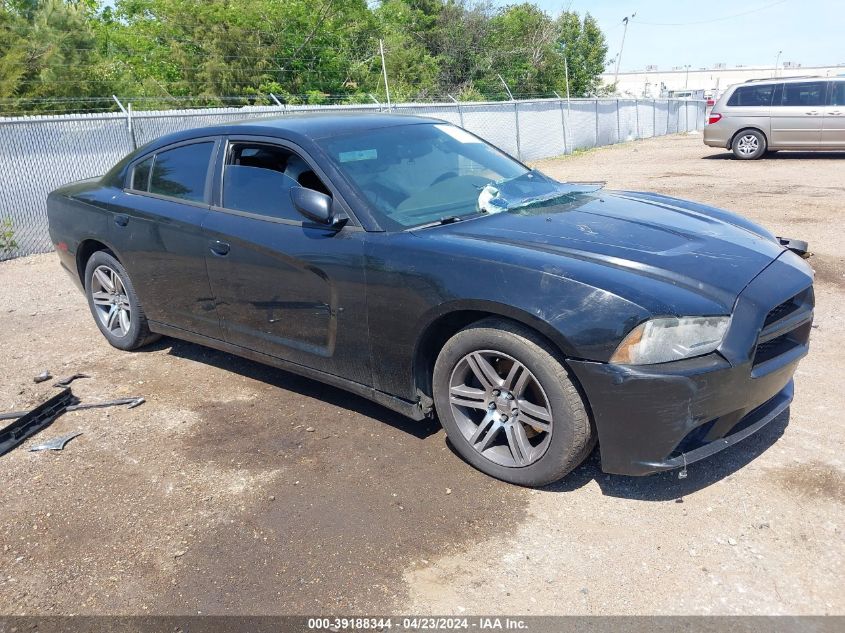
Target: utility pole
column 566, row 71
column 686, row 81
column 567, row 141
column 777, row 62
column 625, row 21
column 384, row 70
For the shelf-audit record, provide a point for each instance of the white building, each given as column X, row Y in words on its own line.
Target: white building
column 653, row 82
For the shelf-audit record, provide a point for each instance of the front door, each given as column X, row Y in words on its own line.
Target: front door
column 833, row 126
column 285, row 286
column 797, row 119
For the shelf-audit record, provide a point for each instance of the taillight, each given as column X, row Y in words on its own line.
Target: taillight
column 714, row 118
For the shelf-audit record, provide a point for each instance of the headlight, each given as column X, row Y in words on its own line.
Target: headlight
column 664, row 340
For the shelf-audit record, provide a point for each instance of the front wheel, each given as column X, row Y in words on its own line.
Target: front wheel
column 749, row 145
column 508, row 404
column 114, row 304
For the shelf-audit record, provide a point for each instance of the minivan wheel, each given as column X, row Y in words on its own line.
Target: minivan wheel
column 114, row 304
column 508, row 405
column 749, row 145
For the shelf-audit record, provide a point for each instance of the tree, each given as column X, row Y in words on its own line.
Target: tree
column 74, row 54
column 50, row 51
column 585, row 48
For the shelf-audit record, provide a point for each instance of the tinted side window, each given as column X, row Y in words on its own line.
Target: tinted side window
column 838, row 96
column 259, row 190
column 752, row 96
column 810, row 93
column 181, row 172
column 258, row 178
column 141, row 175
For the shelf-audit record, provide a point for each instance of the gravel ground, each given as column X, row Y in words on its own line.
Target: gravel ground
column 241, row 489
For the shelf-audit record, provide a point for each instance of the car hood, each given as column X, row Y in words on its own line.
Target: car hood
column 707, row 250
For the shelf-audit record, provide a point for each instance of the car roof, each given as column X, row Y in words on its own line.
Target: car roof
column 781, row 80
column 296, row 127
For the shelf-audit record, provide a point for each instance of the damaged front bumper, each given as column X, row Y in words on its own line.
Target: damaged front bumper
column 659, row 417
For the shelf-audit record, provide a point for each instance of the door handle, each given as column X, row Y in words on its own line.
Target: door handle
column 221, row 249
column 835, row 112
column 121, row 219
column 813, row 112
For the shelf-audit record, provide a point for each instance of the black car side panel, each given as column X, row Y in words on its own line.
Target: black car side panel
column 292, row 291
column 163, row 248
column 411, row 285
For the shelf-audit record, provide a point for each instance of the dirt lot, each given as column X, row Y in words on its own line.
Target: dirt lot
column 241, row 489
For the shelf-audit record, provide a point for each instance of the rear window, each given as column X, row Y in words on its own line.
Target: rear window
column 181, row 172
column 141, row 175
column 752, row 95
column 838, row 96
column 810, row 93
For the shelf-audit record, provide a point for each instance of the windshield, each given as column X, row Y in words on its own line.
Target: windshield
column 421, row 173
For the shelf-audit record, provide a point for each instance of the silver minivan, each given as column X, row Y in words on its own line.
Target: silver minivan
column 766, row 115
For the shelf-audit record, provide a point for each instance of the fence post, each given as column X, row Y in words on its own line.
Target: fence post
column 563, row 125
column 516, row 117
column 618, row 124
column 458, row 106
column 637, row 108
column 653, row 118
column 278, row 103
column 129, row 134
column 596, row 144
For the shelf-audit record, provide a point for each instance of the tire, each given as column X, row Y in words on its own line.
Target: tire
column 749, row 145
column 110, row 292
column 473, row 415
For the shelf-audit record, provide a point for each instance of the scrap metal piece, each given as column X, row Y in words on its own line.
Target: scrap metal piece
column 31, row 422
column 55, row 444
column 44, row 375
column 132, row 402
column 64, row 382
column 799, row 247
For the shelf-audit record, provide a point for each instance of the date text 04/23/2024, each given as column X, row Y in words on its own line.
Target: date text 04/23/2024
column 417, row 624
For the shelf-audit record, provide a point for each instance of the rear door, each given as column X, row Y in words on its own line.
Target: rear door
column 833, row 125
column 285, row 286
column 157, row 230
column 797, row 117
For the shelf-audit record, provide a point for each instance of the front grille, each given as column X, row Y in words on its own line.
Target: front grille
column 778, row 312
column 773, row 348
column 786, row 327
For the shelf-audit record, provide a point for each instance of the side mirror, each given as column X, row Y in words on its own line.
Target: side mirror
column 314, row 205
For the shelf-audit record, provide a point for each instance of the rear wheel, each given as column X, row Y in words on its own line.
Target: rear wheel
column 508, row 404
column 114, row 304
column 749, row 145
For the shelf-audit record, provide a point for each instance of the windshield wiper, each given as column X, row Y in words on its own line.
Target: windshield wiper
column 451, row 219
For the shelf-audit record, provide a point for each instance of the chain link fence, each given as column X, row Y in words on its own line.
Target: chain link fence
column 39, row 154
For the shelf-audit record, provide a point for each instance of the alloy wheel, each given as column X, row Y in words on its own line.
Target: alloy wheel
column 748, row 145
column 111, row 300
column 500, row 408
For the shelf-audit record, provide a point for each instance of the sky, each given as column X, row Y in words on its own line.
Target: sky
column 706, row 32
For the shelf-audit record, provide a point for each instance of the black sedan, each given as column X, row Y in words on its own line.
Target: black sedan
column 410, row 262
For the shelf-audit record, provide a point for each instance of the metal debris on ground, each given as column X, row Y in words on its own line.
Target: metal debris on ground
column 28, row 423
column 132, row 402
column 31, row 422
column 64, row 382
column 44, row 375
column 55, row 444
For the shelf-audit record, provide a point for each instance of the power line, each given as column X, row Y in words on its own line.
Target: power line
column 718, row 19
